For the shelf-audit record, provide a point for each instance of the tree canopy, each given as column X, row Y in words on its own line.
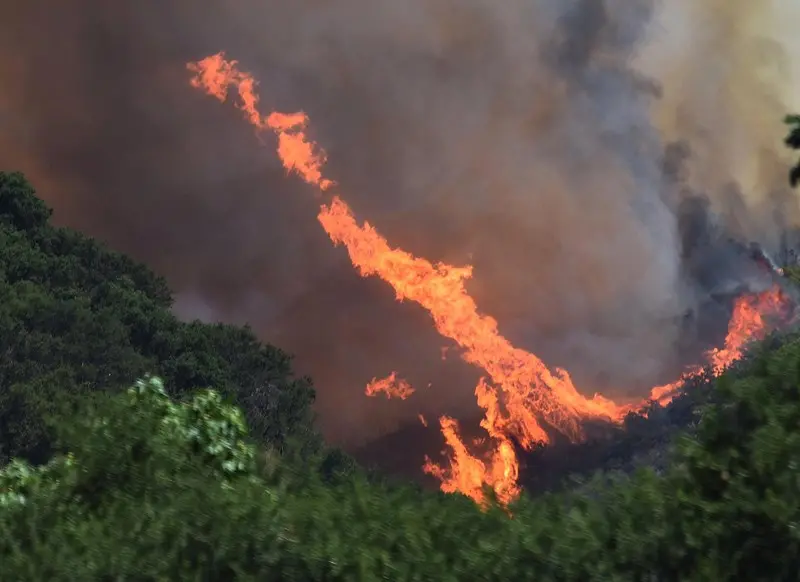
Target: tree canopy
column 76, row 317
column 151, row 489
column 208, row 467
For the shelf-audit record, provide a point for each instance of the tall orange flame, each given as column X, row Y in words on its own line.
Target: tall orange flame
column 519, row 394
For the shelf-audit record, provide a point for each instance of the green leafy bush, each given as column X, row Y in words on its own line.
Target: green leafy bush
column 793, row 141
column 156, row 489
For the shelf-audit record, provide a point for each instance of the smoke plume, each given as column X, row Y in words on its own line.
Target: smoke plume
column 591, row 158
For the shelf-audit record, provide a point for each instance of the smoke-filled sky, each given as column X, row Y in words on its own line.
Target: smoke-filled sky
column 527, row 137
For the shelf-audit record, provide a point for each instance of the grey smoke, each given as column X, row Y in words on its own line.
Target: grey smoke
column 518, row 136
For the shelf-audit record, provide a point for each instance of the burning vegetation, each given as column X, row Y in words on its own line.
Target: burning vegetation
column 522, row 397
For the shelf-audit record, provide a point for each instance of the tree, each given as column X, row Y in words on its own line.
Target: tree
column 76, row 317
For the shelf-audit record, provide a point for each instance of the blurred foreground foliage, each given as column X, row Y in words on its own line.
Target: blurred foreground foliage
column 154, row 489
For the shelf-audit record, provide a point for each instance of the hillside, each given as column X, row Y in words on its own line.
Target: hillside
column 162, row 479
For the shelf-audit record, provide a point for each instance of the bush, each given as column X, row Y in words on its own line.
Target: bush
column 155, row 489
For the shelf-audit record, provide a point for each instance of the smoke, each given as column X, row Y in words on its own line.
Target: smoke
column 728, row 78
column 531, row 138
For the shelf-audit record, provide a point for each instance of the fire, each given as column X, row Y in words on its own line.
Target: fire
column 391, row 386
column 215, row 75
column 519, row 394
column 748, row 323
column 469, row 475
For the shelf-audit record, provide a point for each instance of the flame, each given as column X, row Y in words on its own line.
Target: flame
column 391, row 386
column 520, row 394
column 215, row 75
column 469, row 475
column 466, row 473
column 748, row 323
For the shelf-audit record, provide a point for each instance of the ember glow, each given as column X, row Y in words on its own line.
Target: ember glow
column 519, row 394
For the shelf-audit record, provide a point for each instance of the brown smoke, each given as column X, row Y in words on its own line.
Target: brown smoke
column 729, row 75
column 526, row 137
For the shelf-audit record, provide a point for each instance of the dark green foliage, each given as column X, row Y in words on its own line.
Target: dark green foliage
column 76, row 317
column 741, row 473
column 19, row 205
column 155, row 490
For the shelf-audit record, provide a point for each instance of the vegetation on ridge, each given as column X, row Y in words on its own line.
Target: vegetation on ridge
column 153, row 490
column 76, row 317
column 169, row 479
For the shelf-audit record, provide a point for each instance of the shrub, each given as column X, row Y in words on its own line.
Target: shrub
column 156, row 489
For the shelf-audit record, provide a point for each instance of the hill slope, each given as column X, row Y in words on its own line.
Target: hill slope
column 172, row 485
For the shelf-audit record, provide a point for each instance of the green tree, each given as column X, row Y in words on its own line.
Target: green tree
column 76, row 317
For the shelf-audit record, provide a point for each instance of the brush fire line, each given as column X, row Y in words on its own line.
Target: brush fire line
column 518, row 393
